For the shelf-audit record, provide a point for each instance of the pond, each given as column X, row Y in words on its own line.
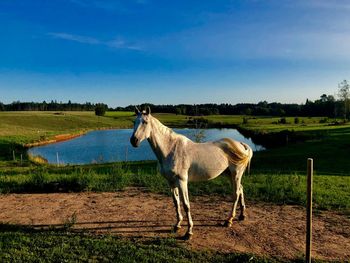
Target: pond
column 114, row 145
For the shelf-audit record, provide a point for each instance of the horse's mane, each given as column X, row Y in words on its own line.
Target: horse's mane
column 162, row 128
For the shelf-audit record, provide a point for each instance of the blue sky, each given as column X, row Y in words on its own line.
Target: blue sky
column 169, row 52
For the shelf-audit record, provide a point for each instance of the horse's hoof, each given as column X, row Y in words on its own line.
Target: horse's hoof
column 227, row 223
column 176, row 228
column 242, row 217
column 187, row 236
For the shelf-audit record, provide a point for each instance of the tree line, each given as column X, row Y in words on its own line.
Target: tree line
column 49, row 106
column 326, row 105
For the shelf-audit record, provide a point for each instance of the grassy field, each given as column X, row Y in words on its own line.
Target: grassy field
column 18, row 128
column 26, row 126
column 278, row 176
column 330, row 192
column 27, row 245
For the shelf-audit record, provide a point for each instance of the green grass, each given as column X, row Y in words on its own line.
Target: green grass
column 18, row 244
column 330, row 154
column 33, row 125
column 330, row 192
column 119, row 114
column 269, row 124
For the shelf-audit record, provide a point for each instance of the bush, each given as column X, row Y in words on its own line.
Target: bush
column 100, row 109
column 283, row 120
column 324, row 120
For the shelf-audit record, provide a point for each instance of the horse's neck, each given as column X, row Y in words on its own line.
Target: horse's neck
column 162, row 139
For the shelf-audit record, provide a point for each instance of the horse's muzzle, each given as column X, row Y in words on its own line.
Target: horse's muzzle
column 134, row 141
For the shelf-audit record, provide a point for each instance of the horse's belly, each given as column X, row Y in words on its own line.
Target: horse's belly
column 202, row 172
column 207, row 163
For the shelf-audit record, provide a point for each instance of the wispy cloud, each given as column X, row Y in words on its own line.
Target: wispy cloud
column 117, row 43
column 76, row 38
column 121, row 44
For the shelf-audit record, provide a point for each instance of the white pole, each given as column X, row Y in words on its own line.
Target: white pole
column 58, row 161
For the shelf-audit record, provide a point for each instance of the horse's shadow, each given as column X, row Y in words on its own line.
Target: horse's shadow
column 119, row 227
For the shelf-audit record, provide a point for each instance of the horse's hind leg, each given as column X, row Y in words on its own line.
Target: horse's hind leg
column 243, row 214
column 176, row 199
column 236, row 175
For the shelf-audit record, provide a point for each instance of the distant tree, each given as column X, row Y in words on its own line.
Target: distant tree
column 281, row 112
column 69, row 106
column 178, row 111
column 100, row 109
column 248, row 111
column 324, row 98
column 43, row 106
column 330, row 98
column 344, row 95
column 2, row 106
column 283, row 120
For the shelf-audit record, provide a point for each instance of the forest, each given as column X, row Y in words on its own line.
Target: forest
column 326, row 105
column 49, row 106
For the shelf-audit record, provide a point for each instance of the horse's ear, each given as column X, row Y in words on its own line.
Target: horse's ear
column 148, row 110
column 137, row 111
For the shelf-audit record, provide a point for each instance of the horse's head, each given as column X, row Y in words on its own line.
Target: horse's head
column 142, row 129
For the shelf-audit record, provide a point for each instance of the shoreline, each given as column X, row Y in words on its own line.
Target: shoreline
column 64, row 137
column 57, row 138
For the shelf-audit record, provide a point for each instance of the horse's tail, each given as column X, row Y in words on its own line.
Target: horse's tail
column 250, row 156
column 238, row 153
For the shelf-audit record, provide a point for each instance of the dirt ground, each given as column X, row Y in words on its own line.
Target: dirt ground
column 270, row 230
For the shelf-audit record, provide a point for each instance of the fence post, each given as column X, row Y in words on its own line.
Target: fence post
column 309, row 210
column 13, row 155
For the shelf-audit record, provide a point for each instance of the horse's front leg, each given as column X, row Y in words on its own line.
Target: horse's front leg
column 176, row 199
column 183, row 189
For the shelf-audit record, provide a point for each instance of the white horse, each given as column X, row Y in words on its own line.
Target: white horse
column 182, row 160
